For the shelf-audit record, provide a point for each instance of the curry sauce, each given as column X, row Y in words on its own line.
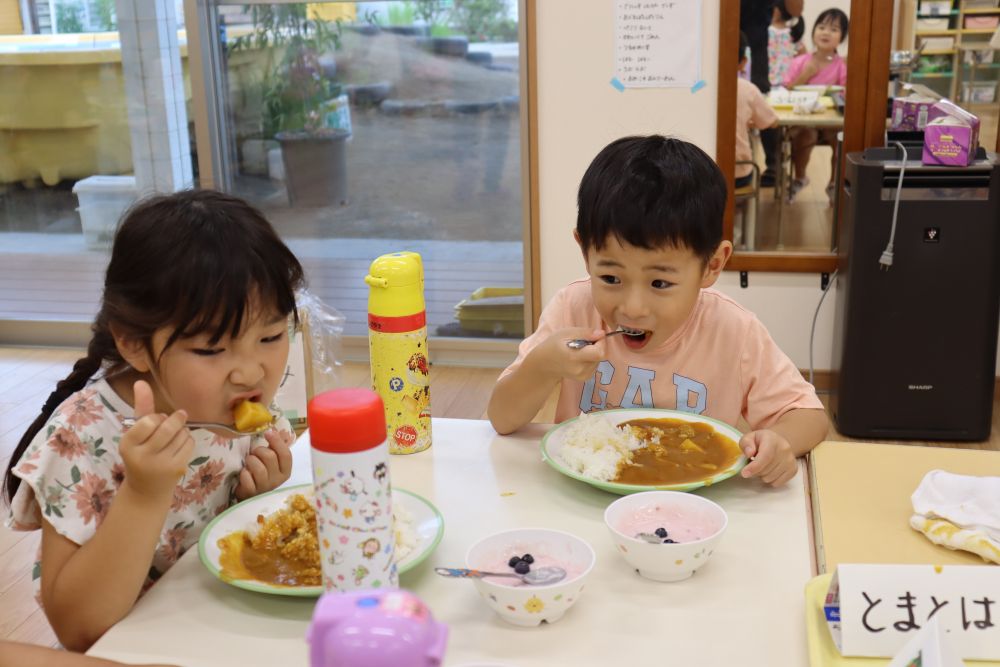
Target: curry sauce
column 676, row 452
column 283, row 551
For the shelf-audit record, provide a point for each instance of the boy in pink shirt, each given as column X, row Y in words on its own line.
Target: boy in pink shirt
column 650, row 228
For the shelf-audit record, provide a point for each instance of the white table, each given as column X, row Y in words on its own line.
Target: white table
column 746, row 606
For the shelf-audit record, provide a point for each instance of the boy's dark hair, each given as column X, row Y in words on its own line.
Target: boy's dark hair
column 194, row 261
column 833, row 15
column 798, row 27
column 744, row 47
column 652, row 192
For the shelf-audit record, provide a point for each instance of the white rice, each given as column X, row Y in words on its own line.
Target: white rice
column 594, row 447
column 405, row 533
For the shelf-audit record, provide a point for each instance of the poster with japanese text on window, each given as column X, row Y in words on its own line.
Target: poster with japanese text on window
column 657, row 43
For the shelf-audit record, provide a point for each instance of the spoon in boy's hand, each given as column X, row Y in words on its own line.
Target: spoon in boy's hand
column 540, row 577
column 580, row 343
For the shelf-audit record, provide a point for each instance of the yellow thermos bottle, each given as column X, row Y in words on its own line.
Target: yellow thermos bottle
column 397, row 343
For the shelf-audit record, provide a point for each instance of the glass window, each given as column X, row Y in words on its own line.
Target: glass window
column 367, row 128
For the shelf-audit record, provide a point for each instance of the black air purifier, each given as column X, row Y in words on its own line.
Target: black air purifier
column 915, row 341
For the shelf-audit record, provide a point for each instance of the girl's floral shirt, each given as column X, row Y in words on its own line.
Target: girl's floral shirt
column 781, row 50
column 72, row 470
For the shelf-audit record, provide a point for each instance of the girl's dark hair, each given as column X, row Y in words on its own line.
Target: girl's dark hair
column 652, row 192
column 193, row 261
column 798, row 28
column 744, row 45
column 833, row 15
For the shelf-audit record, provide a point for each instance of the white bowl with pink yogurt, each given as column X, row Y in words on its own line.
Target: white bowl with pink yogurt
column 523, row 604
column 691, row 528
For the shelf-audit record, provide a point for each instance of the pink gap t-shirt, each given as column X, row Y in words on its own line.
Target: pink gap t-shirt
column 833, row 73
column 721, row 363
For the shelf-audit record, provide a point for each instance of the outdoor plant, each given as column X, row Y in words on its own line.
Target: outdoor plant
column 484, row 20
column 69, row 17
column 294, row 86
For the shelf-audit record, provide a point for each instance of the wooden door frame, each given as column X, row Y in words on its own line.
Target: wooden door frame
column 864, row 116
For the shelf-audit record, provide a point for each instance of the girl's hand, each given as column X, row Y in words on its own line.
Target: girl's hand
column 555, row 360
column 157, row 449
column 812, row 67
column 773, row 458
column 266, row 468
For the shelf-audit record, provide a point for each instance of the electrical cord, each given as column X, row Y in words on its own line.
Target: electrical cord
column 812, row 332
column 885, row 261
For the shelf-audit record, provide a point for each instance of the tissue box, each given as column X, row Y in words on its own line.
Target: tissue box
column 910, row 114
column 951, row 136
column 948, row 141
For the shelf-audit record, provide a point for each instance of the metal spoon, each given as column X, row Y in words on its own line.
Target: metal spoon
column 651, row 538
column 540, row 577
column 129, row 422
column 580, row 343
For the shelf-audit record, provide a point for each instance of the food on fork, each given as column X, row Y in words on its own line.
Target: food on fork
column 251, row 416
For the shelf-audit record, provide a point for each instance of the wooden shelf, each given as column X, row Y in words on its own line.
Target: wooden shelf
column 938, row 52
column 933, row 75
column 980, row 10
column 942, row 31
column 979, row 31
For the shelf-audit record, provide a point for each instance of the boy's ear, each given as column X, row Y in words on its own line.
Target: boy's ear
column 576, row 237
column 132, row 350
column 716, row 263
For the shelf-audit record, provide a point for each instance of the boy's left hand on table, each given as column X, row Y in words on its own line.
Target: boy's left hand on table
column 773, row 460
column 266, row 468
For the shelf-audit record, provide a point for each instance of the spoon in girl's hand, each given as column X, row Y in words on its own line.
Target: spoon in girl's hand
column 540, row 577
column 129, row 422
column 580, row 343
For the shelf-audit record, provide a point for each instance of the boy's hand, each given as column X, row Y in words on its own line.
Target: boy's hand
column 773, row 458
column 157, row 449
column 266, row 468
column 555, row 360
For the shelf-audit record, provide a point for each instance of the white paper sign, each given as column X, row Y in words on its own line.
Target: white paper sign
column 928, row 648
column 873, row 610
column 657, row 43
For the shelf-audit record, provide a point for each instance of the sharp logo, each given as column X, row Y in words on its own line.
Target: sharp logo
column 919, row 387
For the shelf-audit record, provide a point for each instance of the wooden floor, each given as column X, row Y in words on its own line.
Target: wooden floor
column 27, row 375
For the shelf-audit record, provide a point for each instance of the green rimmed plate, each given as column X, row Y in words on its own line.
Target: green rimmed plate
column 552, row 443
column 428, row 524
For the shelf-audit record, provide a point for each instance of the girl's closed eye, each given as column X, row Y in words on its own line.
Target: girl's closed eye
column 207, row 351
column 273, row 339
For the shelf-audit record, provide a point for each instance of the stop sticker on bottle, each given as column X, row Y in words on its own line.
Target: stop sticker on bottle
column 405, row 436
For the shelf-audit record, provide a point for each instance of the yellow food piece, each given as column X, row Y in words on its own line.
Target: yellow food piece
column 250, row 416
column 690, row 446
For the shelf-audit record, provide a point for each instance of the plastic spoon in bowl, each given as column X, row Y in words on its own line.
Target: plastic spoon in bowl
column 129, row 422
column 540, row 577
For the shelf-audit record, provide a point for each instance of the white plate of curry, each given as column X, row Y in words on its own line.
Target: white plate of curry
column 228, row 554
column 666, row 465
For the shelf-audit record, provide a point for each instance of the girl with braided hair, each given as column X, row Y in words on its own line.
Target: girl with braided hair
column 193, row 321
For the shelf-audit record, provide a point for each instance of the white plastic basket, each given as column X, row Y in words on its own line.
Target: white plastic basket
column 103, row 200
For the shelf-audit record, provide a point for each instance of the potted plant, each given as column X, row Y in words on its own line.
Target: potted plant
column 303, row 107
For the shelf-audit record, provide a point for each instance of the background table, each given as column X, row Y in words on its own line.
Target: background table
column 746, row 606
column 861, row 501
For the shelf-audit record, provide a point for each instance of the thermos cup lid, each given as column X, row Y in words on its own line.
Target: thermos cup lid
column 347, row 420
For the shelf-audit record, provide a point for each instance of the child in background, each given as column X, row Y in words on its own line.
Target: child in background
column 784, row 42
column 752, row 112
column 193, row 321
column 823, row 67
column 650, row 229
